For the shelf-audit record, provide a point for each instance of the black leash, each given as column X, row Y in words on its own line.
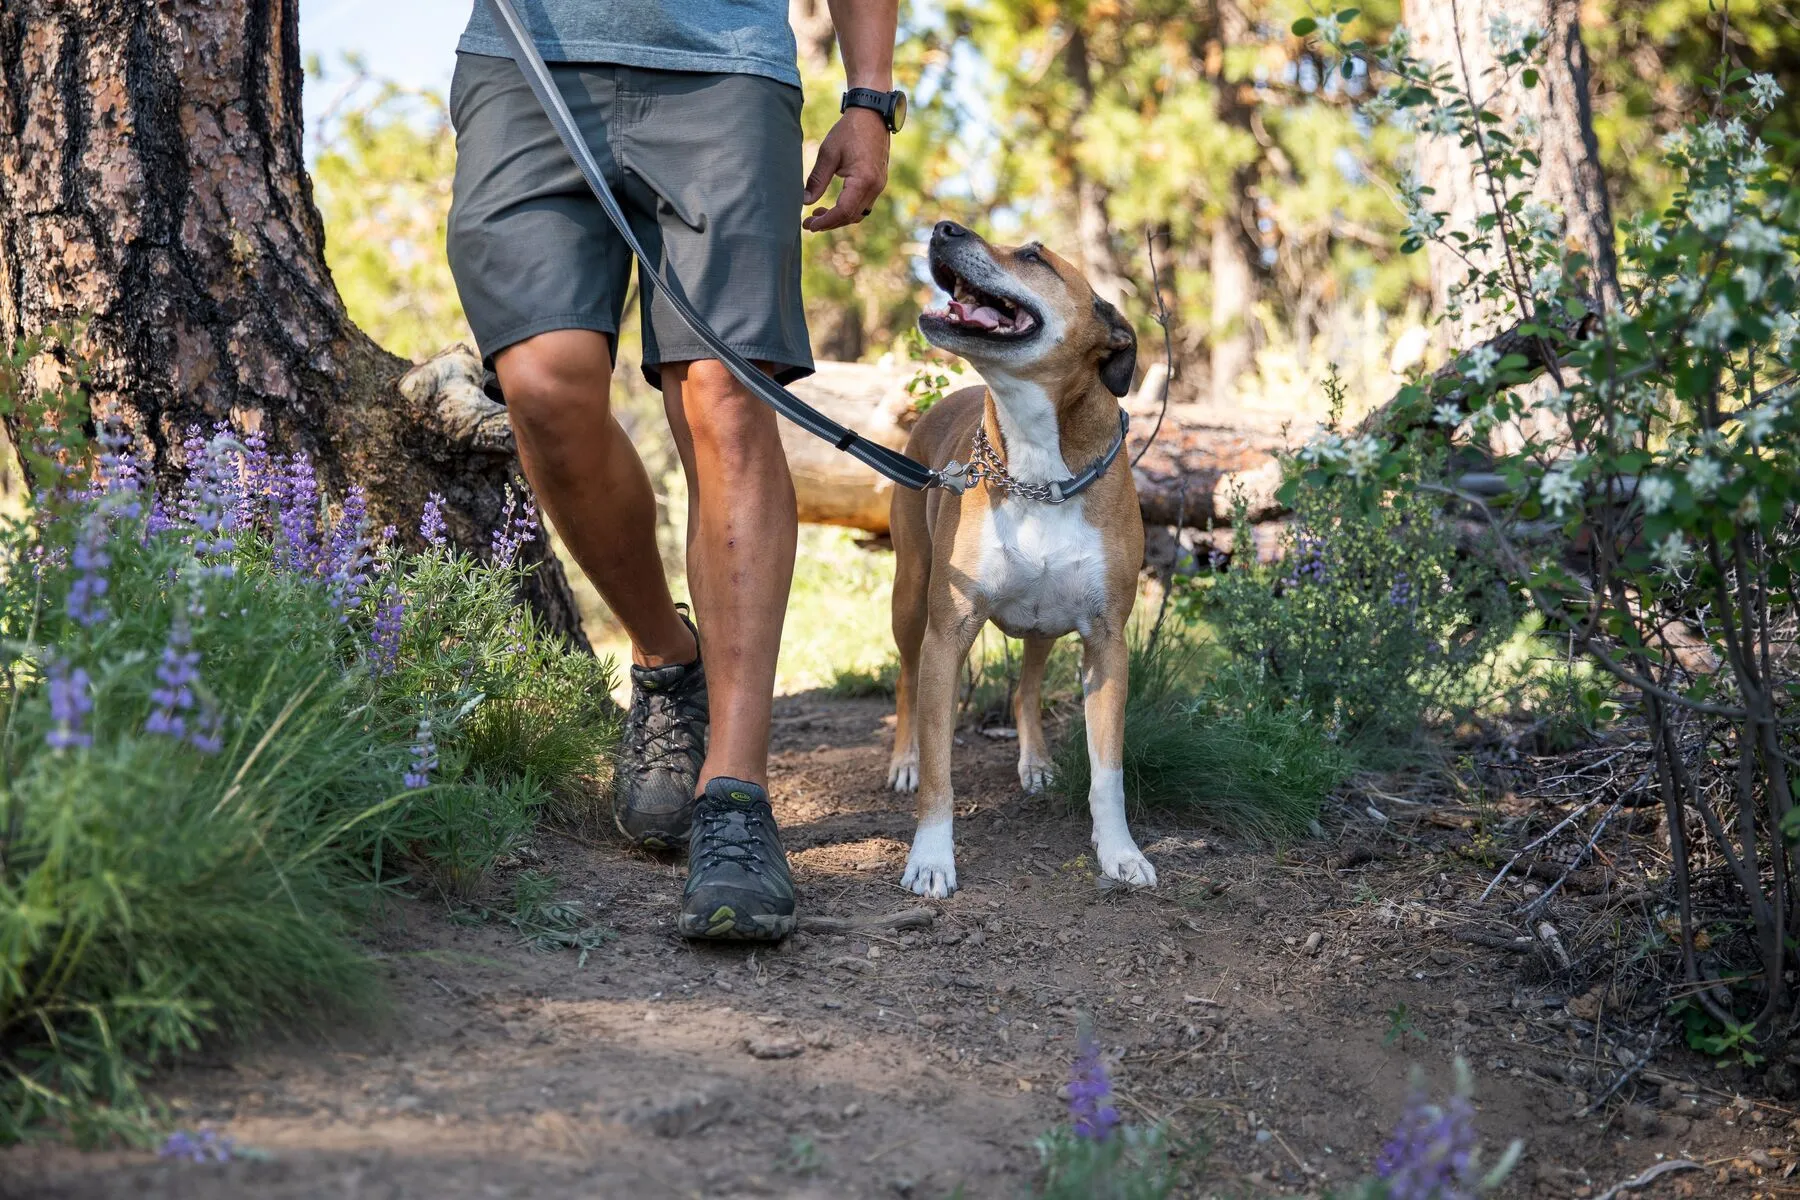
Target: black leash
column 903, row 470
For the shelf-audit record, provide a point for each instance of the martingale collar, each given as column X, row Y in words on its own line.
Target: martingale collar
column 986, row 466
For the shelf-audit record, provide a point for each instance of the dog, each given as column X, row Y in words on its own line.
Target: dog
column 1054, row 358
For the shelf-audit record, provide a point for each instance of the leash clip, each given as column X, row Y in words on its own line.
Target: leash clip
column 954, row 477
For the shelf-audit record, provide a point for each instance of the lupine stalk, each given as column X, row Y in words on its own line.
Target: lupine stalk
column 424, row 758
column 70, row 703
column 518, row 525
column 431, row 522
column 385, row 636
column 1089, row 1089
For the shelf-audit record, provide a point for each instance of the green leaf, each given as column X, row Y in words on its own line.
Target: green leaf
column 1348, row 15
column 1304, row 26
column 1530, row 78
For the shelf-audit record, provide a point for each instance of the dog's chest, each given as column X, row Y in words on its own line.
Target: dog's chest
column 1041, row 568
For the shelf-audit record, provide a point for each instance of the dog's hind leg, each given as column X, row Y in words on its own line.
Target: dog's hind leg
column 931, row 866
column 1028, row 716
column 1105, row 662
column 912, row 575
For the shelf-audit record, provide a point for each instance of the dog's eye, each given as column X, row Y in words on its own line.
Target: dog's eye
column 1031, row 256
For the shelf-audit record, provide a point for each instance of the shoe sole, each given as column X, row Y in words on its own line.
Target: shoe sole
column 725, row 924
column 652, row 839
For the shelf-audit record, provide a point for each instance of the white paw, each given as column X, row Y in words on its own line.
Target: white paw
column 903, row 773
column 931, row 866
column 1034, row 774
column 1127, row 864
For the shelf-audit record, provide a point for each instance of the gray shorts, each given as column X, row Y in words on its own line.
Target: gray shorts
column 708, row 169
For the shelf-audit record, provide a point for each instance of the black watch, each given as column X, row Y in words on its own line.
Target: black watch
column 891, row 105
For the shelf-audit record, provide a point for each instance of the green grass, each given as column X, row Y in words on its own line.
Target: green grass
column 155, row 891
column 1204, row 744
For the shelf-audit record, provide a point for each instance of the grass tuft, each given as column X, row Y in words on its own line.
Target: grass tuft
column 1211, row 750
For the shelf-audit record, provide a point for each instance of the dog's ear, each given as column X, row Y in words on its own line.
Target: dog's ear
column 1118, row 366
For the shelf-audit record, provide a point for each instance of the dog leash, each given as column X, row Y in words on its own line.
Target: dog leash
column 954, row 477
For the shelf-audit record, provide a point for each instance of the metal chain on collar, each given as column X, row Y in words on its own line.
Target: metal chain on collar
column 986, row 466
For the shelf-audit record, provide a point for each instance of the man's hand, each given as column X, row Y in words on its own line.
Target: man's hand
column 857, row 149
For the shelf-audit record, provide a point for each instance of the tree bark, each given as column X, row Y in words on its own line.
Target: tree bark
column 152, row 184
column 1093, row 224
column 1233, row 271
column 1455, row 33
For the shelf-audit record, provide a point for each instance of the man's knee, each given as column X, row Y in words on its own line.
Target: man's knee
column 724, row 416
column 557, row 379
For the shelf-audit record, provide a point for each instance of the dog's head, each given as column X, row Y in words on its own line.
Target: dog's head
column 1023, row 311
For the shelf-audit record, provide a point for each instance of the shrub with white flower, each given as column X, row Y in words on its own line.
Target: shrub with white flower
column 1664, row 444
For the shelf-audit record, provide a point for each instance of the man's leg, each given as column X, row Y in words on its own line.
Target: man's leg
column 592, row 484
column 740, row 562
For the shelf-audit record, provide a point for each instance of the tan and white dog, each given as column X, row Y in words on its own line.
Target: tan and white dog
column 1054, row 358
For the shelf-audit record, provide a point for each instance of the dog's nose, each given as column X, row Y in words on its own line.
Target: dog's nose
column 948, row 229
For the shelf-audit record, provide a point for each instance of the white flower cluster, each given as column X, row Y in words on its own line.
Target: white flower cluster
column 1716, row 324
column 1508, row 36
column 1764, row 91
column 1357, row 456
column 1710, row 211
column 1760, row 422
column 1560, row 489
column 1705, row 476
column 1673, row 552
column 1481, row 364
column 1541, row 219
column 1656, row 492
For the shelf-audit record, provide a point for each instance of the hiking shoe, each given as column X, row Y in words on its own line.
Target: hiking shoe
column 662, row 746
column 738, row 883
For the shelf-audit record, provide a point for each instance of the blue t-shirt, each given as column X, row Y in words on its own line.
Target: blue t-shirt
column 735, row 37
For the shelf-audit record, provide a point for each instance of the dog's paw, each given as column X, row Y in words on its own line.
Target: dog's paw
column 903, row 773
column 1126, row 864
column 931, row 866
column 1034, row 774
column 936, row 880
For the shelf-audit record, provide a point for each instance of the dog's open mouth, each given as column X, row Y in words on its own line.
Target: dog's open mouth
column 972, row 310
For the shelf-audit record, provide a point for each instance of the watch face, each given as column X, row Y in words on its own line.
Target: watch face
column 898, row 118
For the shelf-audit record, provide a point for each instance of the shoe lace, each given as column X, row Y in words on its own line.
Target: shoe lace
column 730, row 836
column 660, row 728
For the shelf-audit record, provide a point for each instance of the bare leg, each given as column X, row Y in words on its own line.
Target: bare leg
column 742, row 530
column 1103, row 675
column 591, row 483
column 1028, row 716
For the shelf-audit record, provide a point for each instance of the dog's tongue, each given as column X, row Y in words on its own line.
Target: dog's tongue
column 984, row 316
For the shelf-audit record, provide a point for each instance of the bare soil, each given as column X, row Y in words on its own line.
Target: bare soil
column 1267, row 1002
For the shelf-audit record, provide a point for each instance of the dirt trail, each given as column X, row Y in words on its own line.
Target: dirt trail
column 928, row 1060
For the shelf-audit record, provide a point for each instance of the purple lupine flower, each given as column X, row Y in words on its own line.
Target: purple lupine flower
column 205, row 1146
column 385, row 637
column 160, row 521
column 70, row 704
column 346, row 559
column 424, row 758
column 212, row 501
column 86, row 602
column 174, row 715
column 1089, row 1088
column 257, row 478
column 518, row 525
column 1400, row 595
column 1431, row 1155
column 295, row 496
column 121, row 474
column 1309, row 561
column 431, row 521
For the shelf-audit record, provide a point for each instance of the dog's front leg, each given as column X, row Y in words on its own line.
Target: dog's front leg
column 931, row 867
column 1104, row 667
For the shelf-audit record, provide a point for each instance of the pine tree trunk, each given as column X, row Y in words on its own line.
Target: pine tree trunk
column 152, row 184
column 1455, row 33
column 1234, row 278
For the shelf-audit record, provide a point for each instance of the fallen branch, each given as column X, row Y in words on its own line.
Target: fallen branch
column 906, row 918
column 1645, row 1178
